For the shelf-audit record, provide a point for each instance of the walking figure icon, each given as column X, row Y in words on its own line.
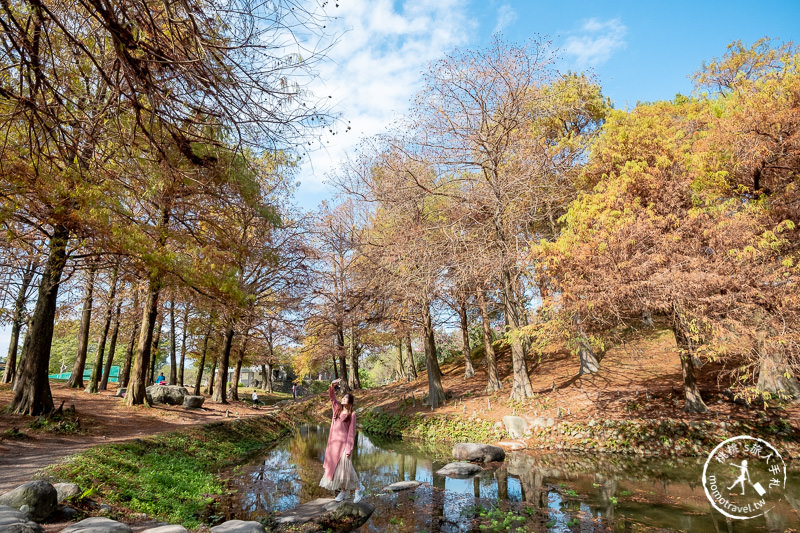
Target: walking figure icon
column 744, row 474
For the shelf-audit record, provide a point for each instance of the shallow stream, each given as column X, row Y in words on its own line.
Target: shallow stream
column 558, row 492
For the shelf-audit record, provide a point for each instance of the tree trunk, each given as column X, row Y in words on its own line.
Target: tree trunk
column 97, row 369
column 401, row 368
column 76, row 378
column 335, row 368
column 774, row 375
column 220, row 394
column 435, row 389
column 202, row 364
column 694, row 402
column 238, row 370
column 112, row 348
column 138, row 383
column 173, row 360
column 469, row 371
column 182, row 363
column 137, row 319
column 589, row 363
column 355, row 381
column 411, row 364
column 521, row 388
column 155, row 350
column 32, row 394
column 265, row 378
column 270, row 358
column 212, row 377
column 493, row 383
column 15, row 384
column 342, row 359
column 16, row 323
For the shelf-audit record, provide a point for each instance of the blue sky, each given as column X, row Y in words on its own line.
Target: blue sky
column 639, row 51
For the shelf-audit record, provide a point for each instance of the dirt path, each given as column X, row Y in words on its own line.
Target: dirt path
column 103, row 419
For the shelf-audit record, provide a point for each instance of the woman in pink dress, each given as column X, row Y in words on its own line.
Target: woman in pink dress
column 339, row 471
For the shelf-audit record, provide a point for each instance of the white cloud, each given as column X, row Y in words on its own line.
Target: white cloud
column 596, row 41
column 375, row 68
column 505, row 17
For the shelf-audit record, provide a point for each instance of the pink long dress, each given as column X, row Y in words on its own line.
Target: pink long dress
column 340, row 440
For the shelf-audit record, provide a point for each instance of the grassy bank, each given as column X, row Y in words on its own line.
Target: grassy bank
column 174, row 476
column 433, row 429
column 646, row 437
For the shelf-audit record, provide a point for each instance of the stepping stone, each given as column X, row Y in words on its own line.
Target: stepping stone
column 460, row 470
column 401, row 485
column 97, row 525
column 238, row 526
column 306, row 512
column 355, row 514
column 166, row 529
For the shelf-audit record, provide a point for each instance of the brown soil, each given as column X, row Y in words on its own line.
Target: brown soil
column 638, row 379
column 103, row 418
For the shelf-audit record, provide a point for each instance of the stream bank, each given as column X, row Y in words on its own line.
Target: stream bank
column 643, row 437
column 554, row 492
column 175, row 476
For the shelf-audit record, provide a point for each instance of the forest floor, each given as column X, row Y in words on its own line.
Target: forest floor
column 102, row 418
column 639, row 379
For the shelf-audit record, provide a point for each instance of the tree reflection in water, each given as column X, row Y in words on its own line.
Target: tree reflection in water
column 612, row 491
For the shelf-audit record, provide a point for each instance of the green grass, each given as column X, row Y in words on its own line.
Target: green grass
column 430, row 429
column 173, row 476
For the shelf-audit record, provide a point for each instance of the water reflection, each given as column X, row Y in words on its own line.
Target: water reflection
column 563, row 492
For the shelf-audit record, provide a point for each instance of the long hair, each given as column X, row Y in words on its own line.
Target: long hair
column 350, row 403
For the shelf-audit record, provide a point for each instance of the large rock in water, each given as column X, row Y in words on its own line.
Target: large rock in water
column 14, row 521
column 347, row 516
column 40, row 497
column 484, row 453
column 326, row 514
column 460, row 470
column 238, row 526
column 515, row 426
column 98, row 524
column 168, row 394
column 193, row 402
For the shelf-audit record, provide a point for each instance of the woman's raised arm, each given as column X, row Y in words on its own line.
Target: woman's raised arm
column 332, row 394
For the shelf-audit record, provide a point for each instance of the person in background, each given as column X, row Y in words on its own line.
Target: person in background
column 294, row 391
column 160, row 380
column 255, row 399
column 339, row 472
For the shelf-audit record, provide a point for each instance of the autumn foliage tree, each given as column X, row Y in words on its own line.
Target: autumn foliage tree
column 687, row 213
